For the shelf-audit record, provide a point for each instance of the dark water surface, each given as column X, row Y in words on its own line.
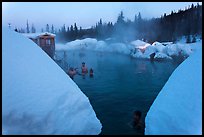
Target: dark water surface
column 120, row 86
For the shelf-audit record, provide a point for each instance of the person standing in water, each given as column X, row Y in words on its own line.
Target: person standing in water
column 84, row 69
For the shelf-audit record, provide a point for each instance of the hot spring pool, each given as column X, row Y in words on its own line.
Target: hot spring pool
column 120, row 86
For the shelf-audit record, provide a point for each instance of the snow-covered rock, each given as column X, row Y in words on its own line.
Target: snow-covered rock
column 37, row 95
column 149, row 50
column 172, row 49
column 160, row 47
column 119, row 48
column 185, row 49
column 94, row 45
column 179, row 49
column 138, row 54
column 178, row 107
column 161, row 56
column 138, row 43
column 87, row 43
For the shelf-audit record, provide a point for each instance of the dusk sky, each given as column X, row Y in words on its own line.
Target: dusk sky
column 85, row 14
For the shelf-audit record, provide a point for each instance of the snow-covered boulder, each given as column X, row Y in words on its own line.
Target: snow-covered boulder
column 149, row 50
column 178, row 107
column 138, row 54
column 94, row 45
column 119, row 48
column 87, row 43
column 161, row 56
column 101, row 46
column 37, row 95
column 159, row 47
column 172, row 50
column 178, row 49
column 138, row 43
column 185, row 49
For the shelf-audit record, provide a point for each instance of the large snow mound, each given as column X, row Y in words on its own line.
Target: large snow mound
column 37, row 95
column 94, row 45
column 178, row 107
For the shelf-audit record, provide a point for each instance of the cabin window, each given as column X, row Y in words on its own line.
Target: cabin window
column 48, row 41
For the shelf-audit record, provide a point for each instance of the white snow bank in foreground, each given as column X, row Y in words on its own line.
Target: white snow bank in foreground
column 178, row 107
column 37, row 95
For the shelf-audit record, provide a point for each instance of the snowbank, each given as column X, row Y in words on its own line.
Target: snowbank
column 94, row 45
column 37, row 95
column 165, row 52
column 137, row 48
column 87, row 43
column 178, row 107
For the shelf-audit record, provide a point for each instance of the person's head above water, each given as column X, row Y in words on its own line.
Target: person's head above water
column 71, row 68
column 137, row 115
column 83, row 64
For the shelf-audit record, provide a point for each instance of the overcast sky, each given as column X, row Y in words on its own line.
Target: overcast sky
column 85, row 14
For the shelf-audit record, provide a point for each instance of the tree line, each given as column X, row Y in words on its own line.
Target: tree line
column 171, row 27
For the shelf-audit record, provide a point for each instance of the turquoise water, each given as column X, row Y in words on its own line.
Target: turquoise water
column 120, row 86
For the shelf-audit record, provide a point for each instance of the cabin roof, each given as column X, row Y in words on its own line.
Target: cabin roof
column 35, row 35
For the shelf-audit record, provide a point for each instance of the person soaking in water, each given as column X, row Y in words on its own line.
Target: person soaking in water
column 136, row 123
column 71, row 73
column 91, row 72
column 84, row 69
column 137, row 120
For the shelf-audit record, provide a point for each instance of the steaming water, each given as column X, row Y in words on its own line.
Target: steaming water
column 120, row 86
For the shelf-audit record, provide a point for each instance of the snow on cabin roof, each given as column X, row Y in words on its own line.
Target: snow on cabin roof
column 35, row 35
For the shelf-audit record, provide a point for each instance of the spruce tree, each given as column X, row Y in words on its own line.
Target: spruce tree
column 47, row 28
column 27, row 27
column 188, row 39
column 194, row 39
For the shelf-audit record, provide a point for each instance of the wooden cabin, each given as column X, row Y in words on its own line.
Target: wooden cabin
column 45, row 40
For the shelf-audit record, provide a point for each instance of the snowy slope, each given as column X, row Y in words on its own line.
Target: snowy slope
column 37, row 96
column 178, row 107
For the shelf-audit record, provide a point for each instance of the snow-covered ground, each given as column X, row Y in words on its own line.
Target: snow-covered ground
column 178, row 107
column 137, row 48
column 37, row 95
